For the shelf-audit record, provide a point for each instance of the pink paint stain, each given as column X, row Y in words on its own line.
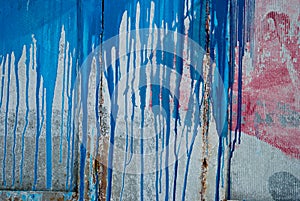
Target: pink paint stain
column 271, row 98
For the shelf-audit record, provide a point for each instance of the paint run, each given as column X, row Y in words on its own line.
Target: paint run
column 160, row 98
column 39, row 73
column 34, row 65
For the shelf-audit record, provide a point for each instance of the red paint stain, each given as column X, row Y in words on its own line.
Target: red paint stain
column 271, row 98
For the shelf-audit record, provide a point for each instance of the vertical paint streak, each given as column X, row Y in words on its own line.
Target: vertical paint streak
column 85, row 72
column 89, row 23
column 241, row 33
column 156, row 159
column 2, row 79
column 126, row 161
column 37, row 107
column 97, row 118
column 73, row 122
column 45, row 24
column 178, row 63
column 223, row 46
column 114, row 111
column 162, row 137
column 26, row 117
column 5, row 123
column 16, row 123
column 69, row 115
column 49, row 102
column 166, row 107
column 142, row 89
column 64, row 52
column 238, row 20
column 231, row 76
column 193, row 106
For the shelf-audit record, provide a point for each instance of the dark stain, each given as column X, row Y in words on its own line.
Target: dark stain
column 284, row 186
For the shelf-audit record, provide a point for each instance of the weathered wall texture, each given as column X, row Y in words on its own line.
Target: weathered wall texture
column 266, row 163
column 150, row 100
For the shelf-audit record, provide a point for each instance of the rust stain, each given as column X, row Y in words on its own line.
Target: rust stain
column 205, row 117
column 101, row 159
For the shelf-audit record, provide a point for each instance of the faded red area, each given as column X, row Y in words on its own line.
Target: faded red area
column 271, row 98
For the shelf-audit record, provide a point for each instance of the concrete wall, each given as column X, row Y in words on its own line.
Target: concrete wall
column 151, row 100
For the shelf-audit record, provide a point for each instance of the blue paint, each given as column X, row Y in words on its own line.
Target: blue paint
column 162, row 134
column 68, row 134
column 144, row 23
column 167, row 116
column 112, row 81
column 142, row 89
column 5, row 123
column 90, row 24
column 73, row 122
column 179, row 70
column 82, row 165
column 126, row 161
column 194, row 108
column 218, row 52
column 156, row 160
column 85, row 72
column 70, row 137
column 97, row 122
column 16, row 120
column 62, row 107
column 239, row 12
column 26, row 122
column 37, row 105
column 44, row 20
column 112, row 20
column 2, row 79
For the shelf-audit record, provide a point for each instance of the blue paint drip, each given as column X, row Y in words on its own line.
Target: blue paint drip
column 97, row 122
column 88, row 16
column 2, row 80
column 69, row 118
column 82, row 165
column 16, row 122
column 238, row 15
column 166, row 107
column 126, row 122
column 179, row 70
column 26, row 123
column 62, row 109
column 112, row 79
column 241, row 39
column 85, row 72
column 5, row 125
column 156, row 160
column 37, row 105
column 219, row 45
column 20, row 34
column 192, row 105
column 143, row 88
column 73, row 141
column 113, row 114
column 71, row 89
column 161, row 156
